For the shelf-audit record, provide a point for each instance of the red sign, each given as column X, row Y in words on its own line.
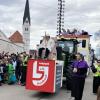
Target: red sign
column 41, row 75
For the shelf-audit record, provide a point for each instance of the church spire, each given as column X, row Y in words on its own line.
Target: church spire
column 27, row 13
column 26, row 27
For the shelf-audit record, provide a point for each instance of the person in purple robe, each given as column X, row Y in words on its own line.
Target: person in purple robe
column 80, row 68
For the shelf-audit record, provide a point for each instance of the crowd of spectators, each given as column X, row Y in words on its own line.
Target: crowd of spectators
column 13, row 68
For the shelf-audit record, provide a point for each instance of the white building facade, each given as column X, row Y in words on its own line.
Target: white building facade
column 8, row 46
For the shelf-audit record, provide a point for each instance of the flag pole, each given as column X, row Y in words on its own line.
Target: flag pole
column 45, row 45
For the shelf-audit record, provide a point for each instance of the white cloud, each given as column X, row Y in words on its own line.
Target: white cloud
column 81, row 14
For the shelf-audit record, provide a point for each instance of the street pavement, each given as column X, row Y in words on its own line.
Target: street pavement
column 16, row 92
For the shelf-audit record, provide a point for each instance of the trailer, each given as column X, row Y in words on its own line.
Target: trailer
column 44, row 75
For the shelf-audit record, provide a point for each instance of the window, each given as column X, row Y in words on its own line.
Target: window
column 26, row 29
column 66, row 46
column 83, row 43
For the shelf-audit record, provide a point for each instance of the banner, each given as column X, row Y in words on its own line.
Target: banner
column 41, row 75
column 59, row 75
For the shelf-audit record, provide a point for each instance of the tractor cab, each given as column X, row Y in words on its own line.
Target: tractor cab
column 69, row 49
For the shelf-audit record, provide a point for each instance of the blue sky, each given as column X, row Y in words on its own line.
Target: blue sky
column 81, row 14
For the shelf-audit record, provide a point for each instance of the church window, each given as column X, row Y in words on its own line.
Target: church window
column 26, row 29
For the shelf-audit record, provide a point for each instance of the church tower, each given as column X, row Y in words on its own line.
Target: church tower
column 26, row 27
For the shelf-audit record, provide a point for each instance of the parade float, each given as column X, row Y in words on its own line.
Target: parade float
column 47, row 75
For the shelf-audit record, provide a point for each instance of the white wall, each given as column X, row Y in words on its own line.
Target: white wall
column 10, row 47
column 26, row 35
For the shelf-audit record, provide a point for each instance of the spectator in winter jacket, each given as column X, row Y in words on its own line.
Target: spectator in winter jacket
column 18, row 69
column 96, row 76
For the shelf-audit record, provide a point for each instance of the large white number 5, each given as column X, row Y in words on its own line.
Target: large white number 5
column 40, row 74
